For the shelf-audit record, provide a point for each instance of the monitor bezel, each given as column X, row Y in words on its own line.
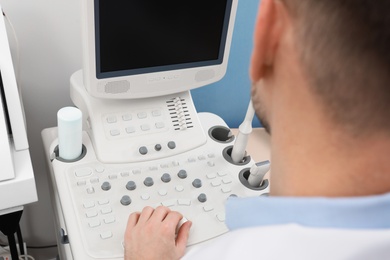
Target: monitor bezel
column 153, row 81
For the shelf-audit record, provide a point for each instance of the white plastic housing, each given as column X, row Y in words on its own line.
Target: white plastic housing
column 147, row 84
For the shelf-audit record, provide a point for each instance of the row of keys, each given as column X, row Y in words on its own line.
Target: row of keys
column 148, row 182
column 88, row 171
column 133, row 123
column 197, row 183
column 126, row 200
column 132, row 129
column 112, row 119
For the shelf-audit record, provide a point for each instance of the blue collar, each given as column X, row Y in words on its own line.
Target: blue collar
column 371, row 212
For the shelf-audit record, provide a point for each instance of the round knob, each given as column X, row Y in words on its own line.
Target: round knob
column 202, row 197
column 106, row 186
column 148, row 181
column 182, row 174
column 131, row 185
column 125, row 200
column 172, row 145
column 166, row 177
column 143, row 150
column 197, row 183
column 157, row 147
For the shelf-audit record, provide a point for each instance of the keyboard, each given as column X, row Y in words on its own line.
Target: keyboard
column 97, row 198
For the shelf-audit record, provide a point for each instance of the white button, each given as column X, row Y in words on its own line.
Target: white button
column 103, row 201
column 145, row 127
column 99, row 169
column 162, row 192
column 211, row 164
column 145, row 196
column 115, row 132
column 191, row 159
column 126, row 117
column 94, row 223
column 91, row 213
column 164, row 165
column 175, row 163
column 169, row 203
column 211, row 155
column 201, row 157
column 125, row 174
column 215, row 183
column 153, row 168
column 221, row 174
column 113, row 176
column 89, row 204
column 137, row 171
column 111, row 119
column 90, row 190
column 106, row 234
column 160, row 125
column 208, row 208
column 227, row 180
column 142, row 115
column 83, row 172
column 221, row 217
column 184, row 202
column 179, row 188
column 109, row 219
column 106, row 210
column 94, row 180
column 130, row 130
column 156, row 113
column 226, row 189
column 81, row 183
column 211, row 176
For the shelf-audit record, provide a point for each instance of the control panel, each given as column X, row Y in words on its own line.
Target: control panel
column 96, row 198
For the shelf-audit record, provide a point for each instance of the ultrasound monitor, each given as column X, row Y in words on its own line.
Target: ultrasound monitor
column 147, row 48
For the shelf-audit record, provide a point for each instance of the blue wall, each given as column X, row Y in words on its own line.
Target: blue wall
column 229, row 97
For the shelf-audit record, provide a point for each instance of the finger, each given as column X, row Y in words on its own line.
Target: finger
column 160, row 213
column 182, row 236
column 145, row 215
column 131, row 222
column 133, row 219
column 172, row 220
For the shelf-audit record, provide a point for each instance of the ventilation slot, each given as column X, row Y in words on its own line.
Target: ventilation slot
column 180, row 116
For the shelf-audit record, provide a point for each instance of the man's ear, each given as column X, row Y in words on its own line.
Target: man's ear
column 266, row 37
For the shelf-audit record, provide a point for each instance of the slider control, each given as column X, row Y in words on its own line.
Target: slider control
column 253, row 178
column 257, row 172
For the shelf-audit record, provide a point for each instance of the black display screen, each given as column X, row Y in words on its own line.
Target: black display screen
column 140, row 36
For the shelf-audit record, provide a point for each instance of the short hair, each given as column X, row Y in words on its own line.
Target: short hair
column 344, row 46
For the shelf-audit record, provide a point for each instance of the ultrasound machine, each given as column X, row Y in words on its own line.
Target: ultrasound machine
column 140, row 140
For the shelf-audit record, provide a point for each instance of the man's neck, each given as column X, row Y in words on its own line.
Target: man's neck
column 315, row 159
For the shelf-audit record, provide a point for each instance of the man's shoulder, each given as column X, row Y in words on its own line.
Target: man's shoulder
column 296, row 242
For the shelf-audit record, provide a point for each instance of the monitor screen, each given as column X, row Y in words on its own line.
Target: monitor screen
column 139, row 36
column 145, row 48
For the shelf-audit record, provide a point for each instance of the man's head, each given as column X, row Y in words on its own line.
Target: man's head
column 321, row 86
column 343, row 47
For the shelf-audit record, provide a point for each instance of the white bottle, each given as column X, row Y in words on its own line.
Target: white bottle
column 69, row 120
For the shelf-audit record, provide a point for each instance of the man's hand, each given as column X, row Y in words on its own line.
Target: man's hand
column 151, row 234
